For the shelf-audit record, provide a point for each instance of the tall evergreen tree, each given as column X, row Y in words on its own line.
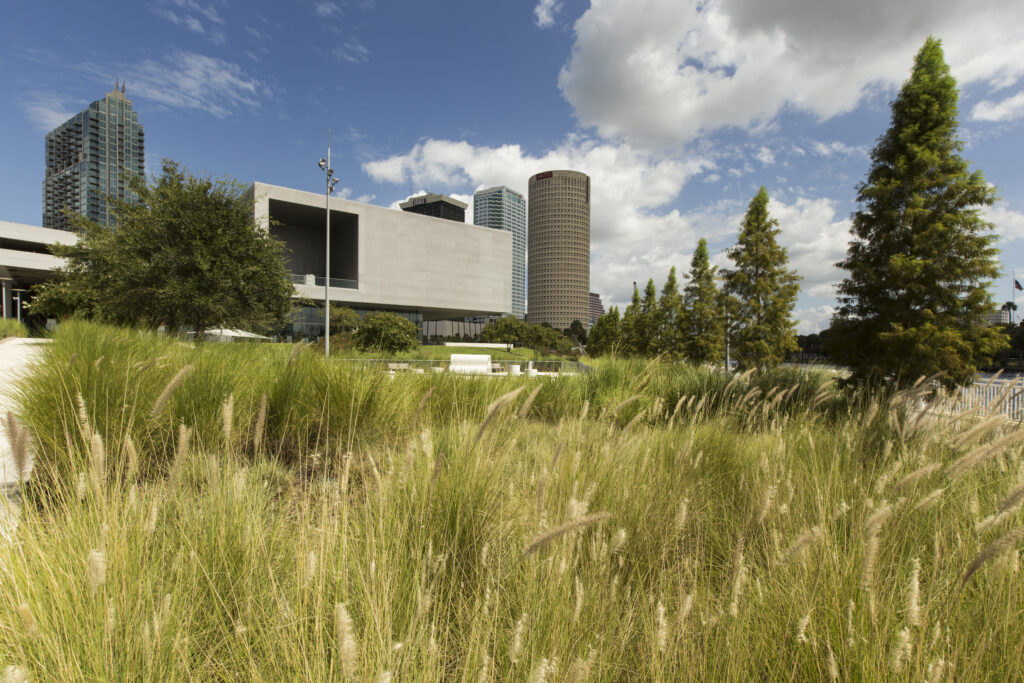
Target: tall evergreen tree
column 701, row 325
column 921, row 254
column 762, row 291
column 604, row 335
column 670, row 304
column 631, row 331
column 649, row 321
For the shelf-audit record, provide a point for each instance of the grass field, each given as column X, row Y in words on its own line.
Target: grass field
column 269, row 517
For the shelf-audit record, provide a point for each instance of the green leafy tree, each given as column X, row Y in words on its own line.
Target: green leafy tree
column 670, row 307
column 343, row 320
column 577, row 333
column 604, row 335
column 506, row 330
column 702, row 325
column 387, row 333
column 921, row 256
column 188, row 253
column 762, row 291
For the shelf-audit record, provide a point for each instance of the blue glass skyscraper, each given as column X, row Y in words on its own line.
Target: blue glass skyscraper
column 89, row 157
column 503, row 208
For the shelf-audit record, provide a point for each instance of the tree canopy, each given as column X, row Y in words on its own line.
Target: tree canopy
column 188, row 254
column 701, row 323
column 921, row 255
column 762, row 291
column 387, row 332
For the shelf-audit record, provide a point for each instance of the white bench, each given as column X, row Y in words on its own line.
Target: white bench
column 470, row 364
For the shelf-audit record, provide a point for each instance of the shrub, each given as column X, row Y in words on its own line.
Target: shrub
column 386, row 332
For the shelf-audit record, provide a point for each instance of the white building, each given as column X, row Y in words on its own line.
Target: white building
column 25, row 260
column 381, row 259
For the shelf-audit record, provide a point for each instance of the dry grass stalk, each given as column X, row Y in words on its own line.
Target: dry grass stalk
column 419, row 408
column 616, row 409
column 766, row 504
column 930, row 500
column 132, row 455
column 586, row 409
column 524, row 410
column 296, row 348
column 261, row 423
column 83, row 417
column 914, row 594
column 493, row 409
column 516, row 649
column 661, row 634
column 96, row 569
column 97, row 461
column 181, row 451
column 636, row 418
column 227, row 413
column 17, row 436
column 1012, row 501
column 992, row 551
column 559, row 531
column 983, row 453
column 871, row 544
column 916, row 476
column 165, row 395
column 978, row 431
column 28, row 621
column 348, row 645
column 802, row 542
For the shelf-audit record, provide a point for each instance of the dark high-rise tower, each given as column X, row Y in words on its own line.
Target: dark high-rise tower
column 90, row 156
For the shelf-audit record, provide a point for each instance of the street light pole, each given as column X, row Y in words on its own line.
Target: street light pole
column 325, row 166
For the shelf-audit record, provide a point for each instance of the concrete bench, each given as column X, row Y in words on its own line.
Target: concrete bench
column 470, row 364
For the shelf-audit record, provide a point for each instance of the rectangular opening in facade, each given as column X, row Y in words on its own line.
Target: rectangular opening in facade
column 302, row 229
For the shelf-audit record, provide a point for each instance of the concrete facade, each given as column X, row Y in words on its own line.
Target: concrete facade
column 25, row 260
column 559, row 249
column 383, row 259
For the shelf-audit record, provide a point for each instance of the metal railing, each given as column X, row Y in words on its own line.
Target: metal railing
column 496, row 368
column 1000, row 397
column 298, row 279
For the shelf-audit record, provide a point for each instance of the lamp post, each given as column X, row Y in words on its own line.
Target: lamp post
column 17, row 295
column 325, row 166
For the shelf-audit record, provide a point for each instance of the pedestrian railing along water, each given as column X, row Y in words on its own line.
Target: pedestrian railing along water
column 495, row 368
column 998, row 397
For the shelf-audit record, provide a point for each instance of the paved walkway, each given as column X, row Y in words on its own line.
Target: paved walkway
column 16, row 357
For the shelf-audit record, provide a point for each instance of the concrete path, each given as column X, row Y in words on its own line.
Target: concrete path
column 16, row 357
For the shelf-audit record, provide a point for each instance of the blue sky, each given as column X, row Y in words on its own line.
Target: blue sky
column 679, row 110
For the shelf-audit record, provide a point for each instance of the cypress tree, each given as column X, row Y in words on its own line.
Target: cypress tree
column 670, row 304
column 648, row 336
column 762, row 291
column 701, row 325
column 604, row 335
column 631, row 329
column 921, row 256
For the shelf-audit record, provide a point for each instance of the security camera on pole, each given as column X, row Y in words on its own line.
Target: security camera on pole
column 325, row 166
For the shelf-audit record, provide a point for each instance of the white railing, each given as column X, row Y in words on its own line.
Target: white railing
column 999, row 397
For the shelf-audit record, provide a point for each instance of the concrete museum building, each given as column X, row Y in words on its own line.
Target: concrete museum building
column 420, row 267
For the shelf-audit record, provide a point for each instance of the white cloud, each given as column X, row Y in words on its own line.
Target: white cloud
column 545, row 11
column 1006, row 110
column 327, row 9
column 1009, row 224
column 815, row 239
column 665, row 71
column 812, row 320
column 191, row 18
column 46, row 110
column 195, row 81
column 630, row 239
column 765, row 156
column 352, row 51
column 827, row 149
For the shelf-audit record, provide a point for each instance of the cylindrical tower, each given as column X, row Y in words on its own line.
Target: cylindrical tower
column 559, row 249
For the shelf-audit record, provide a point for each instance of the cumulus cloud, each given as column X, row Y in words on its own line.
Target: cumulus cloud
column 1005, row 110
column 814, row 319
column 815, row 239
column 194, row 81
column 630, row 238
column 545, row 11
column 352, row 50
column 665, row 71
column 835, row 147
column 326, row 9
column 765, row 156
column 1009, row 224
